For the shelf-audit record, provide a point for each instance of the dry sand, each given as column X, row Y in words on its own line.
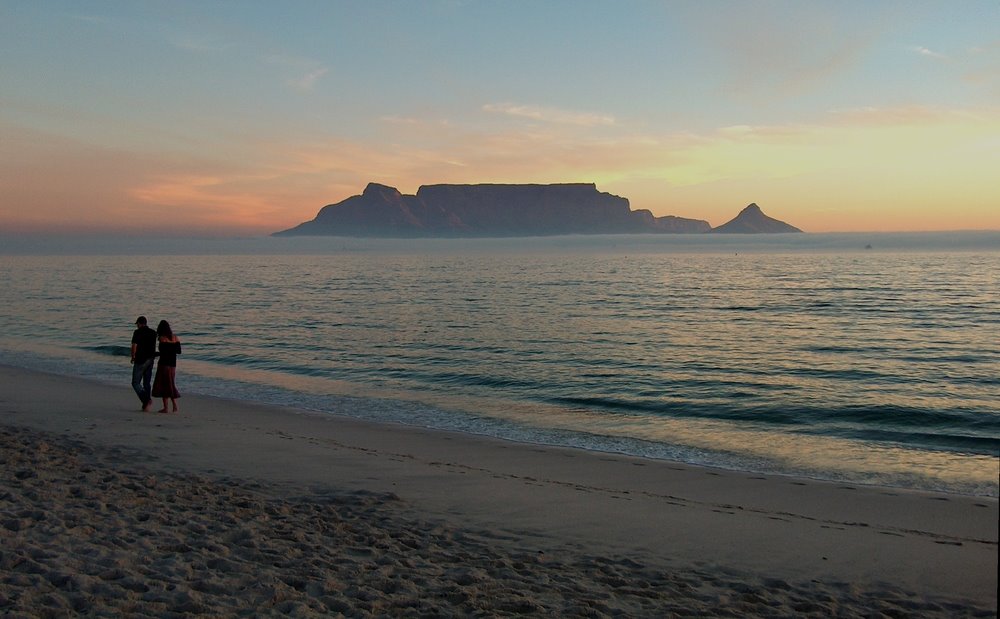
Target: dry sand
column 234, row 509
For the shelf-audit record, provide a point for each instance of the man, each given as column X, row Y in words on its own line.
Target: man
column 143, row 354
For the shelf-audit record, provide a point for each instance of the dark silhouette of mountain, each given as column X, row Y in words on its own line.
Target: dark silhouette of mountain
column 488, row 210
column 752, row 220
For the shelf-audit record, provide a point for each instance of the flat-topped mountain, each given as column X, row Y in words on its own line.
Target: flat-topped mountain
column 488, row 210
column 752, row 220
column 494, row 210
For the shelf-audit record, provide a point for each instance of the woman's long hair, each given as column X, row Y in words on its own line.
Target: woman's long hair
column 163, row 330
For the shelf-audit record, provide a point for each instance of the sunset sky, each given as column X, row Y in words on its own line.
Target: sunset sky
column 243, row 117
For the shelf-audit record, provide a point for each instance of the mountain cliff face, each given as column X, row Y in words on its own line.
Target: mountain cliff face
column 752, row 220
column 488, row 210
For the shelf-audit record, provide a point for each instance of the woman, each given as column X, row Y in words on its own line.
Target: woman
column 163, row 384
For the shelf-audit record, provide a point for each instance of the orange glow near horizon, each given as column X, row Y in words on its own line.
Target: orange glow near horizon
column 891, row 170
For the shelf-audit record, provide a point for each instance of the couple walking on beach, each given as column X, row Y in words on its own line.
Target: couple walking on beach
column 144, row 342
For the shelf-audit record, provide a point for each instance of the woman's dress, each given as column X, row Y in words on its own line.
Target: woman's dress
column 163, row 383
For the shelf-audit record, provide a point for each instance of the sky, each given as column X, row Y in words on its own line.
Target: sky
column 244, row 117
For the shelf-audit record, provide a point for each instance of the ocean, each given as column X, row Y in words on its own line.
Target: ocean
column 859, row 358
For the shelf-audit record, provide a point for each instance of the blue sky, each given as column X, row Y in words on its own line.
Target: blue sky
column 236, row 117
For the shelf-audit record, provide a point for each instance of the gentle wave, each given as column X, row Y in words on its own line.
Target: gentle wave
column 110, row 349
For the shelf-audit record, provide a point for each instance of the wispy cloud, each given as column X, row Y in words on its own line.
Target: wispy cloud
column 304, row 72
column 196, row 43
column 188, row 38
column 927, row 52
column 982, row 67
column 91, row 19
column 768, row 50
column 550, row 115
column 895, row 116
column 308, row 81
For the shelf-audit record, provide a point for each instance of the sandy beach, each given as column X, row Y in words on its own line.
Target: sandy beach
column 236, row 509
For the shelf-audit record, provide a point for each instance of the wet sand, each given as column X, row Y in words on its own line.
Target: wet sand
column 235, row 509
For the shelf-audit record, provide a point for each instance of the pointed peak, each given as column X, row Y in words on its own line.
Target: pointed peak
column 753, row 220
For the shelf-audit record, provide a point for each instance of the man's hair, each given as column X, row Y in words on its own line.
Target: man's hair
column 141, row 320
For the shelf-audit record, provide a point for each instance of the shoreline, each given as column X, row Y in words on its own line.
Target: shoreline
column 703, row 534
column 427, row 413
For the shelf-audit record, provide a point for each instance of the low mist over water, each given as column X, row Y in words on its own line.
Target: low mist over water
column 656, row 243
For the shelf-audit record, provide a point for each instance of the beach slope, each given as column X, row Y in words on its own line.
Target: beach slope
column 235, row 508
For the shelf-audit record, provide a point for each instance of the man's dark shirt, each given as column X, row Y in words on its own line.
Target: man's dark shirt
column 145, row 340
